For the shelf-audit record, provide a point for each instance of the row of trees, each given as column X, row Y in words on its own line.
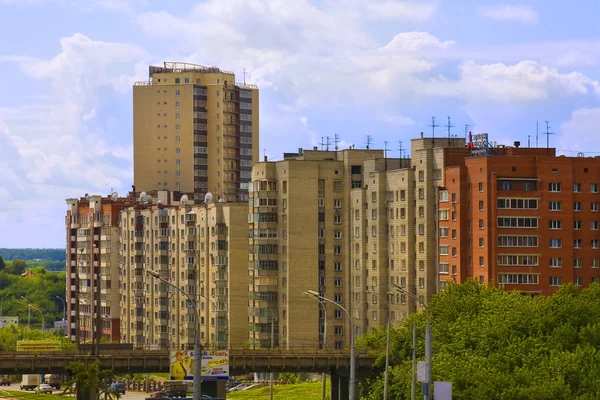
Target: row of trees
column 41, row 289
column 496, row 345
column 33, row 254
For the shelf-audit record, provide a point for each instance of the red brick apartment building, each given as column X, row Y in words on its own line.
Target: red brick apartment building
column 93, row 267
column 522, row 218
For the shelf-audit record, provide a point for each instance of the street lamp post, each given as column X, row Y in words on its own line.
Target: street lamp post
column 197, row 346
column 41, row 313
column 29, row 312
column 387, row 347
column 216, row 320
column 352, row 344
column 64, row 308
column 1, row 301
column 428, row 340
column 323, row 377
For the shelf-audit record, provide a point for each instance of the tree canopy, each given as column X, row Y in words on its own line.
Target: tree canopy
column 493, row 344
column 33, row 254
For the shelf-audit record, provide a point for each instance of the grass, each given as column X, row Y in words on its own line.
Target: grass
column 161, row 375
column 16, row 394
column 298, row 391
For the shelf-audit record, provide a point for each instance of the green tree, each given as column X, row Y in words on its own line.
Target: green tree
column 2, row 264
column 87, row 378
column 17, row 267
column 493, row 344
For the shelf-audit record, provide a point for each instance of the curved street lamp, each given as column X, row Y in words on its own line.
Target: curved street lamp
column 352, row 344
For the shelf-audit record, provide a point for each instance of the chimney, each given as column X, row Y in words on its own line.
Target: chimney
column 421, row 135
column 265, row 158
column 517, row 143
column 300, row 150
column 315, row 148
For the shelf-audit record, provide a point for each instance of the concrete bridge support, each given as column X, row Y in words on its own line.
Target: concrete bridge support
column 340, row 387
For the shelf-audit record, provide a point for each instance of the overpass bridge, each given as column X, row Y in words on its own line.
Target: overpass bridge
column 336, row 363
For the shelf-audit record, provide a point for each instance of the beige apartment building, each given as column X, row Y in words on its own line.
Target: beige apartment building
column 347, row 224
column 195, row 131
column 201, row 248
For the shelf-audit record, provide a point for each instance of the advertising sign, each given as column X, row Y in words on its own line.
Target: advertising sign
column 215, row 365
column 38, row 345
column 8, row 320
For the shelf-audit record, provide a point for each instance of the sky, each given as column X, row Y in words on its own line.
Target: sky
column 353, row 68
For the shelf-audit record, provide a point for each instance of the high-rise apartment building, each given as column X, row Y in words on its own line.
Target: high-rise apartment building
column 346, row 224
column 202, row 249
column 194, row 131
column 92, row 268
column 521, row 218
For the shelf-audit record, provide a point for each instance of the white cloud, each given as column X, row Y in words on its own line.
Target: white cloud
column 507, row 12
column 407, row 10
column 582, row 131
column 396, row 120
column 55, row 150
column 509, row 84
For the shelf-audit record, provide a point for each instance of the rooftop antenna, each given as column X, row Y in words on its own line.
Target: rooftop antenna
column 537, row 128
column 466, row 131
column 528, row 141
column 433, row 126
column 336, row 140
column 449, row 125
column 327, row 142
column 400, row 149
column 548, row 133
column 265, row 153
column 369, row 141
column 322, row 143
column 385, row 154
column 244, row 75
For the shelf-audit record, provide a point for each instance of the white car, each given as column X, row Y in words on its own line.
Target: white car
column 44, row 388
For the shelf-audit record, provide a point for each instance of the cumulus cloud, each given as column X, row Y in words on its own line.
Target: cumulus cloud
column 582, row 131
column 511, row 12
column 54, row 149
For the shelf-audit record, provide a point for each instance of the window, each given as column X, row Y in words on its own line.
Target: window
column 594, row 206
column 177, row 150
column 337, row 219
column 421, row 176
column 481, row 186
column 555, row 243
column 443, row 215
column 577, row 243
column 594, row 188
column 505, row 185
column 555, row 281
column 337, row 282
column 444, row 268
column 177, row 128
column 481, row 261
column 421, row 283
column 481, row 224
column 555, row 262
column 177, row 104
column 577, row 225
column 577, row 187
column 594, row 243
column 453, row 233
column 517, row 222
column 554, row 206
column 518, row 279
column 177, row 116
column 373, row 197
column 554, row 187
column 577, row 206
column 595, row 262
column 444, row 232
column 177, row 80
column 337, row 234
column 337, row 250
column 517, row 241
column 530, row 186
column 579, row 281
column 443, row 195
column 594, row 225
column 481, row 242
column 519, row 204
column 480, row 205
column 443, row 249
column 177, row 93
column 555, row 224
column 578, row 262
column 521, row 260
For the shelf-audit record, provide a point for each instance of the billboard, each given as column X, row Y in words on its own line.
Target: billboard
column 38, row 345
column 8, row 320
column 215, row 365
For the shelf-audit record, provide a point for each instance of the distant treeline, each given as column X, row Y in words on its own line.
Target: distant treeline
column 33, row 254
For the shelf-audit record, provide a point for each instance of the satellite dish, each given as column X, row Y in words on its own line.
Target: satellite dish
column 114, row 196
column 149, row 198
column 208, row 198
column 184, row 198
column 221, row 200
column 143, row 196
column 158, row 201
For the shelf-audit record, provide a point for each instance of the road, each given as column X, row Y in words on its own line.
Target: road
column 128, row 396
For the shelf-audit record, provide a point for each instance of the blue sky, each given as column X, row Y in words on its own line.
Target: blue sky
column 353, row 67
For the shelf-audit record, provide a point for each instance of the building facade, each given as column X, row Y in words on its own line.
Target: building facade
column 195, row 131
column 346, row 224
column 92, row 268
column 200, row 248
column 521, row 218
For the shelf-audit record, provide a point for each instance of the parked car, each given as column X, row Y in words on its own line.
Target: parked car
column 4, row 380
column 158, row 395
column 241, row 386
column 44, row 388
column 117, row 387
